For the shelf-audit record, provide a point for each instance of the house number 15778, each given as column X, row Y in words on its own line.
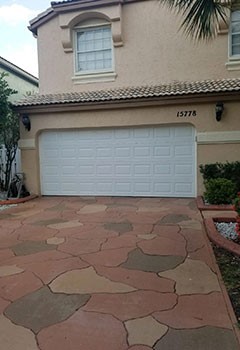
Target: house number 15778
column 182, row 114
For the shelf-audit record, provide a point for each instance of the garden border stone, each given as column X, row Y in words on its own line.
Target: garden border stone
column 17, row 200
column 217, row 238
column 202, row 206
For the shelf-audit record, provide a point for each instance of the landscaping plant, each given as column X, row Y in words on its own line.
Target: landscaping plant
column 9, row 129
column 219, row 191
column 228, row 170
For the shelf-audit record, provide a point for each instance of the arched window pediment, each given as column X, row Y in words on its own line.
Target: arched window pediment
column 68, row 23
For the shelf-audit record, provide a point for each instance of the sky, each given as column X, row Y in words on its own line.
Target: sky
column 17, row 43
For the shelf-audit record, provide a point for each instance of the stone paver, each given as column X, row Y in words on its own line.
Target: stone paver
column 15, row 286
column 92, row 208
column 87, row 281
column 55, row 240
column 174, row 218
column 163, row 246
column 31, row 247
column 14, row 337
column 193, row 277
column 3, row 304
column 198, row 339
column 65, row 225
column 50, row 269
column 119, row 227
column 89, row 330
column 130, row 302
column 43, row 308
column 145, row 331
column 147, row 236
column 193, row 311
column 138, row 279
column 9, row 270
column 109, row 273
column 137, row 260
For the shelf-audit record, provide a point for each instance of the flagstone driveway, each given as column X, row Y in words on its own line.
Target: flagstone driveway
column 109, row 273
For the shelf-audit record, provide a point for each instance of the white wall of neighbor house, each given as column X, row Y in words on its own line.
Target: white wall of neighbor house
column 22, row 86
column 153, row 51
column 215, row 141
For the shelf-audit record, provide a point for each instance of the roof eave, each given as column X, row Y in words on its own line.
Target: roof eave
column 71, row 6
column 62, row 7
column 41, row 19
column 130, row 103
column 12, row 68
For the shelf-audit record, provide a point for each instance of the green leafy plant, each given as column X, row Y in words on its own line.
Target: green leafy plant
column 220, row 191
column 9, row 128
column 228, row 170
column 201, row 18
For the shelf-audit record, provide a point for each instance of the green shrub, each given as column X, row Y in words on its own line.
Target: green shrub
column 220, row 191
column 230, row 171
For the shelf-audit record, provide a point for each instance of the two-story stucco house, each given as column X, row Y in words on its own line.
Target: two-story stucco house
column 128, row 105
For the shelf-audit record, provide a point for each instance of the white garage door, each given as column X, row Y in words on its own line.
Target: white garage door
column 149, row 161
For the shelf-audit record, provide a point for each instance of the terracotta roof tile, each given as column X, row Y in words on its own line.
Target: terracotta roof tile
column 130, row 93
column 62, row 2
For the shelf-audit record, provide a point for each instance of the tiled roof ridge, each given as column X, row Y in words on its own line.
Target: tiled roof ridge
column 175, row 88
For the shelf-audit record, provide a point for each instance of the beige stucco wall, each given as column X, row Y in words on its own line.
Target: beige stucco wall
column 209, row 150
column 154, row 51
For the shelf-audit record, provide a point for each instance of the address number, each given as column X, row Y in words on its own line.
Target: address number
column 184, row 114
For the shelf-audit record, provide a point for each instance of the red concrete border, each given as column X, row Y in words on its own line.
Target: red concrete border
column 18, row 200
column 218, row 239
column 202, row 206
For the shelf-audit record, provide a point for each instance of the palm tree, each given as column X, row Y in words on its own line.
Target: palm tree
column 201, row 18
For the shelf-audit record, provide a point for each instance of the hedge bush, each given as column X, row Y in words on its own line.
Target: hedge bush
column 220, row 191
column 228, row 170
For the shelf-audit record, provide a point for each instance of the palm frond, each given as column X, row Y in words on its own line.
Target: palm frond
column 201, row 18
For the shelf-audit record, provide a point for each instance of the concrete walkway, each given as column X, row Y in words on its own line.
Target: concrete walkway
column 109, row 274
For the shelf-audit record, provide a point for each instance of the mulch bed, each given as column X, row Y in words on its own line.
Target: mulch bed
column 229, row 265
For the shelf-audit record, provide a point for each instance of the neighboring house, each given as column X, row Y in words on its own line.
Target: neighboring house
column 18, row 79
column 127, row 103
column 25, row 84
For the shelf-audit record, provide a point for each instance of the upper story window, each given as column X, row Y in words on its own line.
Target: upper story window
column 235, row 35
column 94, row 49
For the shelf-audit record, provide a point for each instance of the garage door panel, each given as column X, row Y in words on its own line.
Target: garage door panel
column 122, row 151
column 123, row 170
column 182, row 150
column 152, row 161
column 142, row 170
column 104, row 187
column 122, row 134
column 162, row 151
column 104, row 152
column 182, row 188
column 51, row 170
column 164, row 169
column 162, row 133
column 142, row 151
column 183, row 132
column 163, row 187
column 183, row 169
column 142, row 187
column 104, row 170
column 85, row 153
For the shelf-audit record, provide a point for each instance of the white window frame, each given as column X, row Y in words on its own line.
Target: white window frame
column 230, row 54
column 92, row 73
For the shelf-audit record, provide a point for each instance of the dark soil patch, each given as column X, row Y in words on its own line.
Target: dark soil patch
column 229, row 265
